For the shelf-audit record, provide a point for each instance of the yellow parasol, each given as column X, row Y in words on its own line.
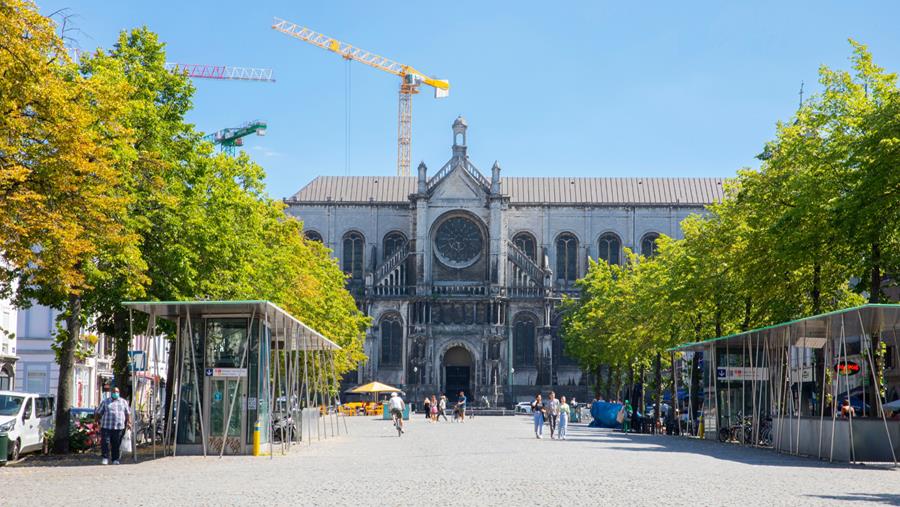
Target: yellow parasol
column 375, row 388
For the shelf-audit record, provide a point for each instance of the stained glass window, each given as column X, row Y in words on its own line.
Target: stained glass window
column 392, row 242
column 458, row 242
column 566, row 257
column 523, row 341
column 353, row 255
column 526, row 243
column 609, row 247
column 648, row 244
column 391, row 340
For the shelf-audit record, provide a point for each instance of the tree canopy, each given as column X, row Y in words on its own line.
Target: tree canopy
column 107, row 193
column 814, row 229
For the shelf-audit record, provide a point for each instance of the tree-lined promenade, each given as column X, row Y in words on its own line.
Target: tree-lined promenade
column 815, row 228
column 108, row 194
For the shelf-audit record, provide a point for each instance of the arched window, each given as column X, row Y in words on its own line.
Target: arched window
column 353, row 255
column 392, row 242
column 391, row 340
column 523, row 341
column 526, row 243
column 312, row 235
column 609, row 247
column 648, row 244
column 566, row 257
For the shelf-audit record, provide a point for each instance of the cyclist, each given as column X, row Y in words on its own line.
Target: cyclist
column 396, row 406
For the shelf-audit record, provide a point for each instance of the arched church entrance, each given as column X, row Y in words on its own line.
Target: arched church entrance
column 458, row 366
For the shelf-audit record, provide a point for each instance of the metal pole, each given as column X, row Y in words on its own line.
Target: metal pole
column 198, row 404
column 306, row 385
column 130, row 341
column 847, row 385
column 176, row 393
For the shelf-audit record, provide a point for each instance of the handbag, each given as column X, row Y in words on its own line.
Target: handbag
column 125, row 446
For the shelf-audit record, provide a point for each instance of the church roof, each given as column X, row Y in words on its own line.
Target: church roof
column 525, row 190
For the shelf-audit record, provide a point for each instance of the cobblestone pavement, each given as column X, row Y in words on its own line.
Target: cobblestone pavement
column 486, row 461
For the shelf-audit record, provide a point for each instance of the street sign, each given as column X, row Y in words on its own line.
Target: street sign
column 226, row 372
column 742, row 373
column 137, row 360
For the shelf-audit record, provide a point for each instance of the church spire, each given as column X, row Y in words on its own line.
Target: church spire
column 459, row 137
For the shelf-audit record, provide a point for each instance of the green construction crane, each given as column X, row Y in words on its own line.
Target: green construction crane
column 229, row 139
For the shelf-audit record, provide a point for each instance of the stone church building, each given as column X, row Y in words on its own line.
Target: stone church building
column 462, row 272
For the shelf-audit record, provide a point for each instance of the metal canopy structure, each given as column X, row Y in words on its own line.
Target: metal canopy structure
column 810, row 386
column 246, row 374
column 305, row 338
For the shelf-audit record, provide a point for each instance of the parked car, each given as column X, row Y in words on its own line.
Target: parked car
column 25, row 418
column 523, row 407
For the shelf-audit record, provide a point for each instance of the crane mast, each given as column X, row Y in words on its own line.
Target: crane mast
column 410, row 80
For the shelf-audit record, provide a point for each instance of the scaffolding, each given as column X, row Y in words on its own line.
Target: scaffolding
column 811, row 387
column 247, row 378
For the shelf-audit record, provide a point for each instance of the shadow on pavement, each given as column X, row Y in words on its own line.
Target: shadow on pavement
column 882, row 498
column 634, row 442
column 79, row 460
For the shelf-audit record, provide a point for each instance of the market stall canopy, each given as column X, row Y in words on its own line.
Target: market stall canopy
column 374, row 387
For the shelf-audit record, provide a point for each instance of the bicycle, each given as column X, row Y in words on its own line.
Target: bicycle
column 396, row 419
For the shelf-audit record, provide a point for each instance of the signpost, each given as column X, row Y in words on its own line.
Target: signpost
column 137, row 360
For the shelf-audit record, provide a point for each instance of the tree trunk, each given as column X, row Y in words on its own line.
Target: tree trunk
column 875, row 282
column 817, row 289
column 66, row 368
column 120, row 361
column 656, row 412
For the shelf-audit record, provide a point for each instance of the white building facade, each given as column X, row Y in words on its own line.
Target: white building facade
column 463, row 273
column 37, row 370
column 8, row 342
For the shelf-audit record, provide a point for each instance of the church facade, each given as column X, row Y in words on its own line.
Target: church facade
column 463, row 272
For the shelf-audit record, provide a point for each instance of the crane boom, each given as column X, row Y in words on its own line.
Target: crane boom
column 221, row 72
column 351, row 52
column 410, row 80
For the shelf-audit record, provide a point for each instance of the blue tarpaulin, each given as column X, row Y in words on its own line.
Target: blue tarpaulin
column 604, row 414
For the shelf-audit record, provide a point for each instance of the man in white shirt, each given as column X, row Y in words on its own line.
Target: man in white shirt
column 396, row 407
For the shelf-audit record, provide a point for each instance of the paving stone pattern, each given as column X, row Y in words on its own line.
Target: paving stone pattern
column 486, row 461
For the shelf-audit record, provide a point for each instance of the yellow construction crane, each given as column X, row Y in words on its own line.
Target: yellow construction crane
column 410, row 80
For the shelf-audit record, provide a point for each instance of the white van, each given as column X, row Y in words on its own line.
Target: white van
column 25, row 418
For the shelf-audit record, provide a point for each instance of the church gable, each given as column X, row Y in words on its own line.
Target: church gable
column 458, row 185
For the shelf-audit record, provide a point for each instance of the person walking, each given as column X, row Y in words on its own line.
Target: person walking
column 442, row 407
column 626, row 423
column 537, row 411
column 553, row 413
column 564, row 414
column 434, row 409
column 461, row 406
column 427, row 404
column 115, row 418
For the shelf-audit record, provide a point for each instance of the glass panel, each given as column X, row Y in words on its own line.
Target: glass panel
column 36, row 382
column 217, row 407
column 226, row 340
column 188, row 406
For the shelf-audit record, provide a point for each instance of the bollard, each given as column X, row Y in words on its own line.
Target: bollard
column 256, row 438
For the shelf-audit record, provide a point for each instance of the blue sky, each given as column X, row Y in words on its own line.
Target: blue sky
column 548, row 88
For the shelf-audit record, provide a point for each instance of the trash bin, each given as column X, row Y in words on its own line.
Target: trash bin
column 4, row 448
